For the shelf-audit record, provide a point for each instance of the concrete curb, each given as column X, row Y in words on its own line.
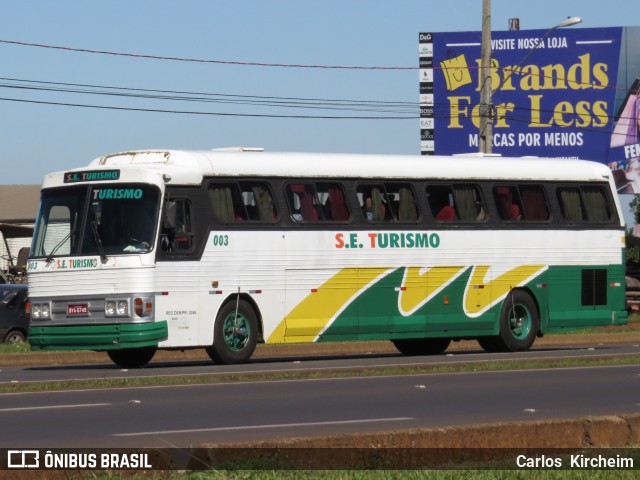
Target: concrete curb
column 433, row 447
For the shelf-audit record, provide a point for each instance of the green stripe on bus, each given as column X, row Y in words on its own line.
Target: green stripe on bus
column 98, row 337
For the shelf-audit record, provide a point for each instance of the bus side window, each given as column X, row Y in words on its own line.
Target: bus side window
column 440, row 198
column 258, row 202
column 176, row 234
column 458, row 202
column 571, row 204
column 372, row 198
column 534, row 202
column 401, row 203
column 334, row 203
column 598, row 208
column 584, row 204
column 227, row 203
column 303, row 202
column 508, row 203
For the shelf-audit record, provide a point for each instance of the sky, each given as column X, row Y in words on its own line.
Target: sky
column 38, row 138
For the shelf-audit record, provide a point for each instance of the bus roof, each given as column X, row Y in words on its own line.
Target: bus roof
column 184, row 167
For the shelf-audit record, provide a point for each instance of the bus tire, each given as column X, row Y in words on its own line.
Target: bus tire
column 234, row 338
column 132, row 357
column 519, row 322
column 421, row 346
column 492, row 344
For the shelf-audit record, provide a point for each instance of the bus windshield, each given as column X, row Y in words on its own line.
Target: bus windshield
column 96, row 220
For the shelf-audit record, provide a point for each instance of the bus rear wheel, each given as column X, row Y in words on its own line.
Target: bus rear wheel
column 519, row 323
column 132, row 357
column 421, row 346
column 235, row 334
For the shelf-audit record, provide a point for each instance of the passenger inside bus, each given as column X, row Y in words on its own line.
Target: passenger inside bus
column 446, row 214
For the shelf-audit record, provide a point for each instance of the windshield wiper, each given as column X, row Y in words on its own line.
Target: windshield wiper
column 96, row 236
column 61, row 242
column 55, row 249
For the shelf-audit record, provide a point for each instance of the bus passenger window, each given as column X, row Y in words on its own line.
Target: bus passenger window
column 598, row 208
column 227, row 204
column 522, row 202
column 258, row 202
column 373, row 203
column 304, row 205
column 333, row 200
column 571, row 204
column 441, row 203
column 585, row 204
column 534, row 202
column 388, row 202
column 508, row 203
column 458, row 202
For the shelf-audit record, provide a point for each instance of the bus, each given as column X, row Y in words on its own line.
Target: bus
column 226, row 249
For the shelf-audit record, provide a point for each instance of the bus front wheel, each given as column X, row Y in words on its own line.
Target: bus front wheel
column 421, row 346
column 235, row 333
column 132, row 357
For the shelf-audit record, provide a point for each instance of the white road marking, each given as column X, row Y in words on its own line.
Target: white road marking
column 257, row 427
column 51, row 407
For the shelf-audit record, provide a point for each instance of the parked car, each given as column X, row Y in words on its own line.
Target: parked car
column 14, row 324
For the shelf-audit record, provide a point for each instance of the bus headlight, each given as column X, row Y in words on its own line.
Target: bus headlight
column 123, row 307
column 110, row 308
column 116, row 307
column 40, row 311
column 129, row 307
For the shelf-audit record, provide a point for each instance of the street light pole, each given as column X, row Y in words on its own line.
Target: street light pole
column 565, row 23
column 485, row 140
column 486, row 112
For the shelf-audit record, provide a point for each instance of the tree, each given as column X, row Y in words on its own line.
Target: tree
column 635, row 208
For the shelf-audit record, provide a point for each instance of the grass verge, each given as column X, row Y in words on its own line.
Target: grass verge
column 320, row 373
column 379, row 475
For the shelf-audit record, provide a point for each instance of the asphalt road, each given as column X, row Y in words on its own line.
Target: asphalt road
column 183, row 416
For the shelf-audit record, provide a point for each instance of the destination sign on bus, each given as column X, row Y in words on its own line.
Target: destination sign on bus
column 91, row 176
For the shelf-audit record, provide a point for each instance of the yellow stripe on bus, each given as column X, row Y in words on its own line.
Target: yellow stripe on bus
column 314, row 313
column 419, row 285
column 481, row 295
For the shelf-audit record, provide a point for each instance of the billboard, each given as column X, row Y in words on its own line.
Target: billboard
column 572, row 93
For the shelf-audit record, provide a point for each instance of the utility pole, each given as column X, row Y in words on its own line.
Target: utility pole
column 485, row 138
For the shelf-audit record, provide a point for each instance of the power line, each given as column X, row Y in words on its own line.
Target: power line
column 147, row 94
column 281, row 65
column 199, row 60
column 150, row 110
column 374, row 102
column 183, row 112
column 263, row 101
column 297, row 102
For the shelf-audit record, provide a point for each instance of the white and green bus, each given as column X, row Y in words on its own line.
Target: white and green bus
column 224, row 249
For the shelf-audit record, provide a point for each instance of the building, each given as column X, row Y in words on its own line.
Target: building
column 18, row 208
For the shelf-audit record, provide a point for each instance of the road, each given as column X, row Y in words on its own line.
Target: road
column 190, row 415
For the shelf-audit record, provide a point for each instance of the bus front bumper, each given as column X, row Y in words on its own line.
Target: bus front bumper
column 97, row 337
